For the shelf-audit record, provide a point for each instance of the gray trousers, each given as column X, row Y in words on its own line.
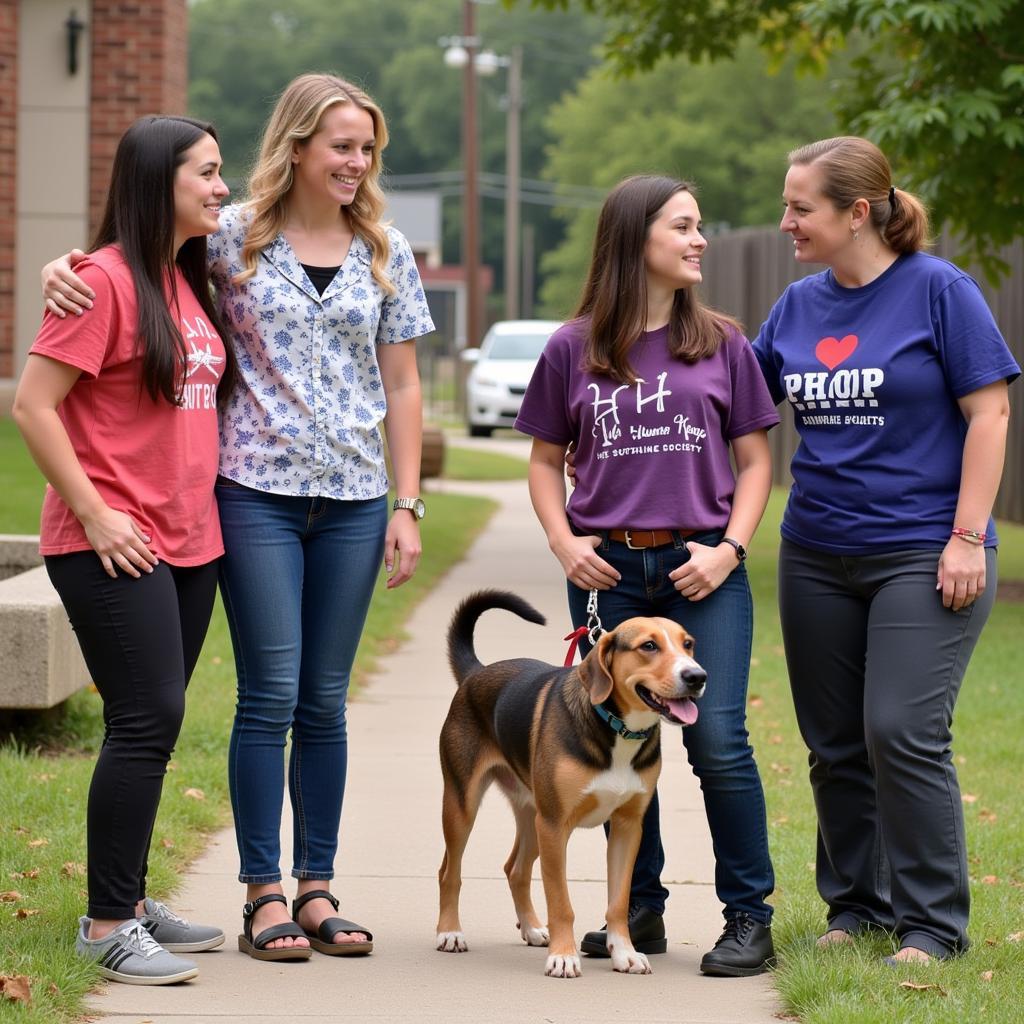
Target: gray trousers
column 875, row 665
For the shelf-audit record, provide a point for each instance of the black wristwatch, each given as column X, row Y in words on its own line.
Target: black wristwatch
column 741, row 551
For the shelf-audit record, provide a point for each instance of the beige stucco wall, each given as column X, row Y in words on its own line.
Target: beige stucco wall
column 53, row 152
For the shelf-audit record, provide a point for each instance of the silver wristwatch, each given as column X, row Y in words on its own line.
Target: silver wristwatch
column 414, row 505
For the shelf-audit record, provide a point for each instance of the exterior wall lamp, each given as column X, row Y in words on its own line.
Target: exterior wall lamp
column 73, row 28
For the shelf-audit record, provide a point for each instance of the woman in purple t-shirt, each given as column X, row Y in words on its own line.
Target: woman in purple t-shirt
column 654, row 390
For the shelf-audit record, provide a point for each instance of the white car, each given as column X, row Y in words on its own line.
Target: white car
column 503, row 365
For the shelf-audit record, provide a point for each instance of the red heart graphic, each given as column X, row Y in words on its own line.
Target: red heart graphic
column 832, row 352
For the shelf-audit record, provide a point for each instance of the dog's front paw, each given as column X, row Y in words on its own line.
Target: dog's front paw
column 452, row 942
column 534, row 936
column 629, row 961
column 563, row 966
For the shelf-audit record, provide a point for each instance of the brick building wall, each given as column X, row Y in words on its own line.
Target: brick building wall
column 139, row 66
column 8, row 180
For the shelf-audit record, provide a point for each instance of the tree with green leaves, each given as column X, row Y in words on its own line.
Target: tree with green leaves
column 726, row 126
column 242, row 53
column 938, row 84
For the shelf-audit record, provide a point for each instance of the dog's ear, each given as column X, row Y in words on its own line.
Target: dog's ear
column 595, row 669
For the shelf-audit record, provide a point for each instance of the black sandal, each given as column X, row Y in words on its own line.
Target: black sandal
column 320, row 940
column 256, row 948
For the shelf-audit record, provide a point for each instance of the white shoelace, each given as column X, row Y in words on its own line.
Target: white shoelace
column 141, row 941
column 163, row 911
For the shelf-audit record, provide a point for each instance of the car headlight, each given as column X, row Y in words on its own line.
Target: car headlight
column 485, row 382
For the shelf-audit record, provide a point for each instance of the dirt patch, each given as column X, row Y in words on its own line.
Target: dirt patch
column 1011, row 591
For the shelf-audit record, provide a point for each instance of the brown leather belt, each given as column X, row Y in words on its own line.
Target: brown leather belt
column 639, row 539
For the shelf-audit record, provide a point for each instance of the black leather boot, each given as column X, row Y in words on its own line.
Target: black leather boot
column 646, row 929
column 743, row 949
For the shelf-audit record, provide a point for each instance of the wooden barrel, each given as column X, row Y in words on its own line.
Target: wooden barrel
column 432, row 457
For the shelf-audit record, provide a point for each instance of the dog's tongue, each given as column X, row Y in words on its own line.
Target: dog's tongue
column 685, row 710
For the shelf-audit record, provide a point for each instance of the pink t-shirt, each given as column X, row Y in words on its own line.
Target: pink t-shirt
column 152, row 460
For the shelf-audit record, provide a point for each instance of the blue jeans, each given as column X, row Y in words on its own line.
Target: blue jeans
column 296, row 579
column 717, row 745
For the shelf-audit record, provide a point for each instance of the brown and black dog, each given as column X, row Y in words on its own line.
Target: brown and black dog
column 534, row 728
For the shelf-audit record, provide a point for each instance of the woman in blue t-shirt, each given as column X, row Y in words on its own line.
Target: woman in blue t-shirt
column 897, row 376
column 655, row 391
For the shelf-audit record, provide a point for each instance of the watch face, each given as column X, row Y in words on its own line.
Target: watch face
column 419, row 508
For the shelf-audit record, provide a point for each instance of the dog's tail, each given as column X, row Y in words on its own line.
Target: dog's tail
column 461, row 653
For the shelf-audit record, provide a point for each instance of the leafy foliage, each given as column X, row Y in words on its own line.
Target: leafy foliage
column 725, row 125
column 939, row 86
column 243, row 52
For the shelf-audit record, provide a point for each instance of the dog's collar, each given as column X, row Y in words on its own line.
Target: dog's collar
column 616, row 724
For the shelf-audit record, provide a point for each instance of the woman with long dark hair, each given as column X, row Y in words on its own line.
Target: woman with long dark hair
column 119, row 410
column 656, row 391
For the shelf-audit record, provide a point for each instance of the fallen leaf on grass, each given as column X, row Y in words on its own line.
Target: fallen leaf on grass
column 44, row 776
column 1015, row 937
column 776, row 738
column 987, row 816
column 21, row 913
column 194, row 794
column 167, row 844
column 781, row 820
column 172, row 766
column 918, row 987
column 11, row 896
column 39, row 842
column 72, row 869
column 756, row 702
column 31, row 873
column 990, row 880
column 52, row 989
column 216, row 660
column 968, row 798
column 991, row 942
column 986, row 975
column 20, row 830
column 15, row 987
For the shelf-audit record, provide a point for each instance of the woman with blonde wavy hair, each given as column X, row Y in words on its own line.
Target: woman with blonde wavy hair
column 321, row 302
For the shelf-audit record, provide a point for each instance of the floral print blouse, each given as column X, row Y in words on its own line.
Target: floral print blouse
column 305, row 419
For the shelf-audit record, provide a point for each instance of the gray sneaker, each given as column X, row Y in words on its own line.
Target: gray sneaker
column 176, row 934
column 129, row 954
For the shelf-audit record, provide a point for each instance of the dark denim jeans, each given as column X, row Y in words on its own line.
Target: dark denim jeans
column 296, row 579
column 717, row 745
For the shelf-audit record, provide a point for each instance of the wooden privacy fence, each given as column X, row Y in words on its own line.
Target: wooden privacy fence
column 745, row 271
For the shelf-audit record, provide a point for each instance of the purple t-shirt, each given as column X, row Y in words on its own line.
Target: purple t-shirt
column 653, row 455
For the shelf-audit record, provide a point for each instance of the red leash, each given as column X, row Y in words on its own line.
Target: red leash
column 574, row 637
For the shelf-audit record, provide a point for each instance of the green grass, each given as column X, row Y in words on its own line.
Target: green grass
column 473, row 464
column 851, row 985
column 45, row 771
column 21, row 496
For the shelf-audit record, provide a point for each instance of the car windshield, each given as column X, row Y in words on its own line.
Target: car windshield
column 517, row 346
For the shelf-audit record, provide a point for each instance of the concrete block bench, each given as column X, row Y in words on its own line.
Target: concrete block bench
column 40, row 663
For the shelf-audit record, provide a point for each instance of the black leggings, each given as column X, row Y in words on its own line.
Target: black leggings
column 141, row 639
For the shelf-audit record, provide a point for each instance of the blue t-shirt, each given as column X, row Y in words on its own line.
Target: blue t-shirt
column 873, row 375
column 652, row 455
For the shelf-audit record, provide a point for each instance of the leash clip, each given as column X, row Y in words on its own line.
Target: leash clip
column 594, row 627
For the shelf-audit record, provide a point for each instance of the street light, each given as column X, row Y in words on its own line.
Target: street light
column 460, row 52
column 463, row 52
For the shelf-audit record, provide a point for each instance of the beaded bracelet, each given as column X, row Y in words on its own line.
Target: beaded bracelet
column 971, row 536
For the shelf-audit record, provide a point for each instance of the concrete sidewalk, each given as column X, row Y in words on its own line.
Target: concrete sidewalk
column 391, row 848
